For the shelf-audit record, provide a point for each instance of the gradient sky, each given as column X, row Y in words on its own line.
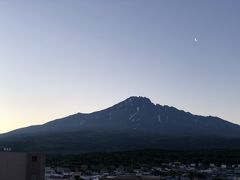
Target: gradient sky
column 60, row 57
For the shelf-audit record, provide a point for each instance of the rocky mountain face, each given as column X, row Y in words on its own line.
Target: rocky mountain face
column 131, row 124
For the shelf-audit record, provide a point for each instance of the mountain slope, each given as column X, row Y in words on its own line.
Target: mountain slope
column 133, row 123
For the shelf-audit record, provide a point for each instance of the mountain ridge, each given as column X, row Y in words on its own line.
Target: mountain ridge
column 135, row 118
column 128, row 101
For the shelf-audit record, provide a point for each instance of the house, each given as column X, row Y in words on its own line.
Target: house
column 22, row 166
column 211, row 165
column 223, row 166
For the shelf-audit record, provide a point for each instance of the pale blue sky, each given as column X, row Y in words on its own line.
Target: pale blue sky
column 59, row 57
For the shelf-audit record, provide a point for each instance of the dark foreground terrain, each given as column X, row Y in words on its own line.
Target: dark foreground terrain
column 147, row 164
column 137, row 158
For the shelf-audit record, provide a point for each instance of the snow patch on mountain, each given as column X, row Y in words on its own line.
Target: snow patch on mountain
column 134, row 114
column 159, row 118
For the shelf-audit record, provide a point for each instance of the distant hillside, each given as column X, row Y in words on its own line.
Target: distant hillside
column 135, row 123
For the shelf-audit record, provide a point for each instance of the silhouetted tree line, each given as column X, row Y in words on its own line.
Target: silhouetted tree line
column 142, row 158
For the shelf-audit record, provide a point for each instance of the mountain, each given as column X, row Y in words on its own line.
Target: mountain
column 135, row 123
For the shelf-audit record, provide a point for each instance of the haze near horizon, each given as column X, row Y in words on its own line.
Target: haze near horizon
column 62, row 57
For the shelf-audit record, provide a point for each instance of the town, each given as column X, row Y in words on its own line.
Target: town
column 165, row 171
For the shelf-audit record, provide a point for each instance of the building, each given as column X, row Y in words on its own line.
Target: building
column 22, row 166
column 131, row 178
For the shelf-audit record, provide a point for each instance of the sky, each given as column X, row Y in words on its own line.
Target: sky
column 60, row 57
